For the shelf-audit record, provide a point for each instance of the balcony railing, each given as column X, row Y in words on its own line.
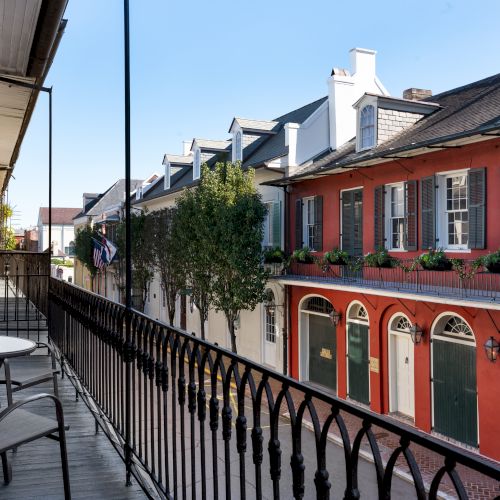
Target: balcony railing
column 193, row 420
column 466, row 283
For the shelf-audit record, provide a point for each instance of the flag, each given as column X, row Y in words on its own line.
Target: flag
column 109, row 249
column 99, row 254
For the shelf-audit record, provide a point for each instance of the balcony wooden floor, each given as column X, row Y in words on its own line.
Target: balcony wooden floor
column 96, row 470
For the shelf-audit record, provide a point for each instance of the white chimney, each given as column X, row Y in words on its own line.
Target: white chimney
column 345, row 88
column 291, row 130
column 186, row 147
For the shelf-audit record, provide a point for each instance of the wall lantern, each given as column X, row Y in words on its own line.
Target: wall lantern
column 269, row 303
column 416, row 333
column 491, row 348
column 335, row 317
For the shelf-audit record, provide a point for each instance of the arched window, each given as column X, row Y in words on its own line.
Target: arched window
column 401, row 324
column 318, row 305
column 367, row 127
column 358, row 312
column 238, row 150
column 453, row 327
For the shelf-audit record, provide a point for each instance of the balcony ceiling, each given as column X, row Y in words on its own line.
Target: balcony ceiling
column 30, row 31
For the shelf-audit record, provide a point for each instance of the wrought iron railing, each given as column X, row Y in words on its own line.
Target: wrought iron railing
column 207, row 423
column 467, row 281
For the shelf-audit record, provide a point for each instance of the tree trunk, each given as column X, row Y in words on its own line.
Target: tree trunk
column 233, row 335
column 171, row 315
column 202, row 324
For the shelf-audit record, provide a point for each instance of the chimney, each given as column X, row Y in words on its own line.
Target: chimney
column 363, row 62
column 414, row 94
column 186, row 148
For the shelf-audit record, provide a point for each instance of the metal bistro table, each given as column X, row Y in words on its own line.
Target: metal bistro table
column 12, row 347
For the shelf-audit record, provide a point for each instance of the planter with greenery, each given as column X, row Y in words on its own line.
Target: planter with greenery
column 274, row 256
column 435, row 260
column 380, row 258
column 336, row 257
column 491, row 261
column 303, row 256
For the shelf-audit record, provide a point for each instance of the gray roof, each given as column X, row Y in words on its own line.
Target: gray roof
column 211, row 144
column 179, row 180
column 179, row 159
column 256, row 125
column 464, row 111
column 268, row 148
column 110, row 198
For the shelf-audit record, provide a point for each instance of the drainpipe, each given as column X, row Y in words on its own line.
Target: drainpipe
column 286, row 312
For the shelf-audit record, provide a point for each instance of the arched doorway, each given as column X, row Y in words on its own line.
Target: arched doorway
column 358, row 354
column 454, row 387
column 269, row 329
column 401, row 367
column 318, row 343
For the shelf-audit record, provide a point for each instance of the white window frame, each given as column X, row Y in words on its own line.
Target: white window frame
column 369, row 101
column 268, row 226
column 307, row 225
column 167, row 175
column 238, row 146
column 388, row 216
column 197, row 165
column 442, row 211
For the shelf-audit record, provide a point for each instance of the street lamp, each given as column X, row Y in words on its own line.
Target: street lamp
column 416, row 333
column 335, row 317
column 491, row 348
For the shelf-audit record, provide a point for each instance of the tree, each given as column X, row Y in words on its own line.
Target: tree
column 227, row 217
column 167, row 252
column 142, row 234
column 84, row 249
column 192, row 230
column 7, row 238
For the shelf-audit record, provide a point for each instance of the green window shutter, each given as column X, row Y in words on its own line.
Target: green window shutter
column 410, row 200
column 347, row 222
column 298, row 224
column 276, row 223
column 358, row 222
column 379, row 216
column 428, row 207
column 318, row 223
column 477, row 207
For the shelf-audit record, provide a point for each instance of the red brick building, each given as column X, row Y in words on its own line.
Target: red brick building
column 419, row 175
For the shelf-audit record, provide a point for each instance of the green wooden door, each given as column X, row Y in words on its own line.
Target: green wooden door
column 455, row 393
column 322, row 351
column 358, row 362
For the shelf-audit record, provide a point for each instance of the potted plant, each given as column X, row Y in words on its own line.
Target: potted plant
column 380, row 258
column 336, row 257
column 435, row 260
column 274, row 256
column 491, row 261
column 303, row 256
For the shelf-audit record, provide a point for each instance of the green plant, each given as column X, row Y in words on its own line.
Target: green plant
column 380, row 258
column 61, row 262
column 435, row 260
column 274, row 256
column 303, row 255
column 490, row 261
column 466, row 272
column 336, row 257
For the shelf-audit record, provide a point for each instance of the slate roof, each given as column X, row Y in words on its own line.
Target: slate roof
column 269, row 148
column 211, row 144
column 180, row 159
column 256, row 125
column 179, row 180
column 59, row 215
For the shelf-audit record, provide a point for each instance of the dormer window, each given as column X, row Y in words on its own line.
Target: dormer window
column 167, row 176
column 238, row 149
column 367, row 127
column 197, row 165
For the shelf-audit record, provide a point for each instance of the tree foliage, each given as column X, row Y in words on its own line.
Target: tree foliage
column 84, row 250
column 167, row 256
column 7, row 237
column 142, row 234
column 221, row 225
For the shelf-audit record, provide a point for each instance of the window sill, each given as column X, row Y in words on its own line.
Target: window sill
column 457, row 250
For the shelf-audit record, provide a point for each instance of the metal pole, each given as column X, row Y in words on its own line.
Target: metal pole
column 50, row 171
column 128, row 252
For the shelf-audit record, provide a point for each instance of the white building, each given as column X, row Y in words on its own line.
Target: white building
column 63, row 234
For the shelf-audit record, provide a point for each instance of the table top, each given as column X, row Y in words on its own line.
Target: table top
column 11, row 347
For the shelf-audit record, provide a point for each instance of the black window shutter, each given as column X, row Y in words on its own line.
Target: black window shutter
column 379, row 214
column 318, row 222
column 347, row 222
column 410, row 199
column 357, row 199
column 298, row 224
column 428, row 207
column 477, row 207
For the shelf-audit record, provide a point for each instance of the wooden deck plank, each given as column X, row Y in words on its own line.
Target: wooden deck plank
column 96, row 470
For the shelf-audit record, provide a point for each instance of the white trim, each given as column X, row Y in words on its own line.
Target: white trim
column 392, row 293
column 438, row 318
column 367, row 323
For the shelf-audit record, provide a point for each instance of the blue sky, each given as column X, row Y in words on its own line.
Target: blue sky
column 196, row 64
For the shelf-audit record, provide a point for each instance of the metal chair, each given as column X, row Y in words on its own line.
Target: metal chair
column 19, row 426
column 15, row 382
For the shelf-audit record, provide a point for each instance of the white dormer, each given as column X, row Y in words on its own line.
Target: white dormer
column 244, row 132
column 238, row 150
column 166, row 182
column 139, row 193
column 366, row 124
column 174, row 164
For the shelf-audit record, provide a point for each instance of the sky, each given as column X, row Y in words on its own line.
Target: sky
column 195, row 64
